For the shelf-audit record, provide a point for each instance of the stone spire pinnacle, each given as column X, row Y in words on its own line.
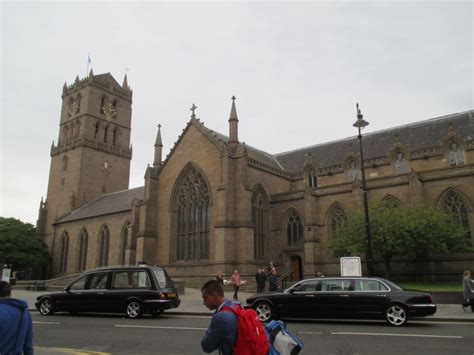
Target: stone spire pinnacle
column 158, row 148
column 233, row 124
column 125, row 82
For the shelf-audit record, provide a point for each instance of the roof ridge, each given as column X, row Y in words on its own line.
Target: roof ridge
column 413, row 124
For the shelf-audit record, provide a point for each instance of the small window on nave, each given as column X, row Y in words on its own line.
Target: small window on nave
column 401, row 165
column 114, row 136
column 337, row 219
column 96, row 131
column 64, row 162
column 312, row 179
column 106, row 131
column 260, row 222
column 104, row 241
column 455, row 155
column 64, row 249
column 103, row 104
column 82, row 250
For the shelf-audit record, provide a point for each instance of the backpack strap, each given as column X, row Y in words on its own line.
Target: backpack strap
column 18, row 330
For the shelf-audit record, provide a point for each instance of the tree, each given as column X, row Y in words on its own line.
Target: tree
column 20, row 245
column 399, row 231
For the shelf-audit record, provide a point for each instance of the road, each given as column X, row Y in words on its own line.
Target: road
column 173, row 334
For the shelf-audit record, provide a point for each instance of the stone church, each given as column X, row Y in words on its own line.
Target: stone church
column 216, row 203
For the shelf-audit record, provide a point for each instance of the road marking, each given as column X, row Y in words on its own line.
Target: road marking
column 400, row 335
column 70, row 351
column 157, row 327
column 184, row 316
column 39, row 322
column 312, row 333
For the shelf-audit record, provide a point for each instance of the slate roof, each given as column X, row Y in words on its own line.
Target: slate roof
column 114, row 202
column 415, row 136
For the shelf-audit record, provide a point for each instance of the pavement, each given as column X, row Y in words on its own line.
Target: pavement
column 191, row 304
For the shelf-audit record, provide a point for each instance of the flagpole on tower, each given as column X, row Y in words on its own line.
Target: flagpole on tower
column 88, row 63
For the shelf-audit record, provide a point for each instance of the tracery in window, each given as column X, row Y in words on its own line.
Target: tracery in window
column 103, row 104
column 260, row 209
column 294, row 230
column 453, row 203
column 82, row 250
column 104, row 239
column 64, row 248
column 123, row 244
column 191, row 217
column 336, row 219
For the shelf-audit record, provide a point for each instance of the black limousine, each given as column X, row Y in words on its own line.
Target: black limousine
column 344, row 297
column 133, row 290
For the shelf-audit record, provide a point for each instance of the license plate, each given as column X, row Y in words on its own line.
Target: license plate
column 171, row 295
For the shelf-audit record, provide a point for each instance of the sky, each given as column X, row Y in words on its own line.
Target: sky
column 296, row 68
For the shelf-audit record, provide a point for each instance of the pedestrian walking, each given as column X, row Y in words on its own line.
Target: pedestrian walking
column 222, row 332
column 235, row 281
column 319, row 274
column 468, row 291
column 16, row 328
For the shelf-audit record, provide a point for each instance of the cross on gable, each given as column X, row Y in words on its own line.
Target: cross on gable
column 193, row 108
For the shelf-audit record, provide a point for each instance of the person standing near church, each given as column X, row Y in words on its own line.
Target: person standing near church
column 272, row 278
column 220, row 278
column 16, row 328
column 468, row 291
column 235, row 281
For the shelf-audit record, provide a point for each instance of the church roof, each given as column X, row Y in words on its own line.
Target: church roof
column 415, row 136
column 114, row 202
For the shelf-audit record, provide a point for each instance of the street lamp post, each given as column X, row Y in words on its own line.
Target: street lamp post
column 361, row 123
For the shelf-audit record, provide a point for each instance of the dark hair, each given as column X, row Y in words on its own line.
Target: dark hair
column 212, row 287
column 5, row 289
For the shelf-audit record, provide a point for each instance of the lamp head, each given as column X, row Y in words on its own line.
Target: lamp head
column 360, row 123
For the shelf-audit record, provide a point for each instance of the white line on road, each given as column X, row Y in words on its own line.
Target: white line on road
column 157, row 327
column 39, row 322
column 400, row 335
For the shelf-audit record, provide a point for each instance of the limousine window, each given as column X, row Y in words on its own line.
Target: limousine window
column 336, row 285
column 79, row 284
column 131, row 279
column 370, row 285
column 307, row 286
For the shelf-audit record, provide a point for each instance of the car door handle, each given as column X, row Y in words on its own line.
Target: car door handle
column 309, row 295
column 343, row 295
column 381, row 295
column 101, row 293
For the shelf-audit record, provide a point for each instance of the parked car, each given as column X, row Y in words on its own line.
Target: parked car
column 133, row 290
column 344, row 297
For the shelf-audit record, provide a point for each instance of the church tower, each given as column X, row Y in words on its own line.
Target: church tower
column 92, row 155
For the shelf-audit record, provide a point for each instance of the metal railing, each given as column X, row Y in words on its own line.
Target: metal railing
column 284, row 278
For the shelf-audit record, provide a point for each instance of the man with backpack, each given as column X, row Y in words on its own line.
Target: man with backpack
column 233, row 329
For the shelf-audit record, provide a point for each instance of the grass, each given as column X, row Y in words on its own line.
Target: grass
column 432, row 286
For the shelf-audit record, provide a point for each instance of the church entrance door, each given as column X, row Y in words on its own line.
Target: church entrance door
column 295, row 264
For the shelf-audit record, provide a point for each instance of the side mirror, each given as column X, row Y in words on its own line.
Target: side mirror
column 291, row 291
column 67, row 288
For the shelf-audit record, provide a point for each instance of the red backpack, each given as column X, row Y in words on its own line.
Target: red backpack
column 251, row 336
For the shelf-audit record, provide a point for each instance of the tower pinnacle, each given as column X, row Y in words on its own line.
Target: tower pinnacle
column 233, row 124
column 158, row 148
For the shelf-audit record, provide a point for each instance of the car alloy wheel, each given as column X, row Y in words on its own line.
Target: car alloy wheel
column 46, row 307
column 264, row 311
column 396, row 315
column 134, row 309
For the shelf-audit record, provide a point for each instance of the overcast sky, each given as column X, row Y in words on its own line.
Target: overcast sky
column 297, row 70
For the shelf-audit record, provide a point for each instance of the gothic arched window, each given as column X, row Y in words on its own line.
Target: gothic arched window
column 453, row 203
column 104, row 239
column 123, row 244
column 114, row 136
column 260, row 222
column 191, row 217
column 64, row 161
column 294, row 230
column 106, row 132
column 82, row 250
column 96, row 132
column 64, row 252
column 312, row 180
column 337, row 218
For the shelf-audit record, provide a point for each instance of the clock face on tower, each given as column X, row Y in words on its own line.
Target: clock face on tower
column 109, row 111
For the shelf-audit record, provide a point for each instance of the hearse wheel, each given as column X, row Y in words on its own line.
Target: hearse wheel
column 134, row 309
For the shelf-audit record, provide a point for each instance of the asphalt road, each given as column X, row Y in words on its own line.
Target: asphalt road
column 170, row 334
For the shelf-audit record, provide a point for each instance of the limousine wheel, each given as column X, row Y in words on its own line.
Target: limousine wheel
column 264, row 311
column 396, row 315
column 134, row 309
column 46, row 307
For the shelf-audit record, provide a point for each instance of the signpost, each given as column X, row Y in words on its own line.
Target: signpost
column 350, row 266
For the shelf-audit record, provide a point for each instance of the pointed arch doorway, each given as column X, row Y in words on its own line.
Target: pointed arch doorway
column 297, row 267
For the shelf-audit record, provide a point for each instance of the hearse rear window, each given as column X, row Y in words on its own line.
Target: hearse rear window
column 131, row 279
column 162, row 278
